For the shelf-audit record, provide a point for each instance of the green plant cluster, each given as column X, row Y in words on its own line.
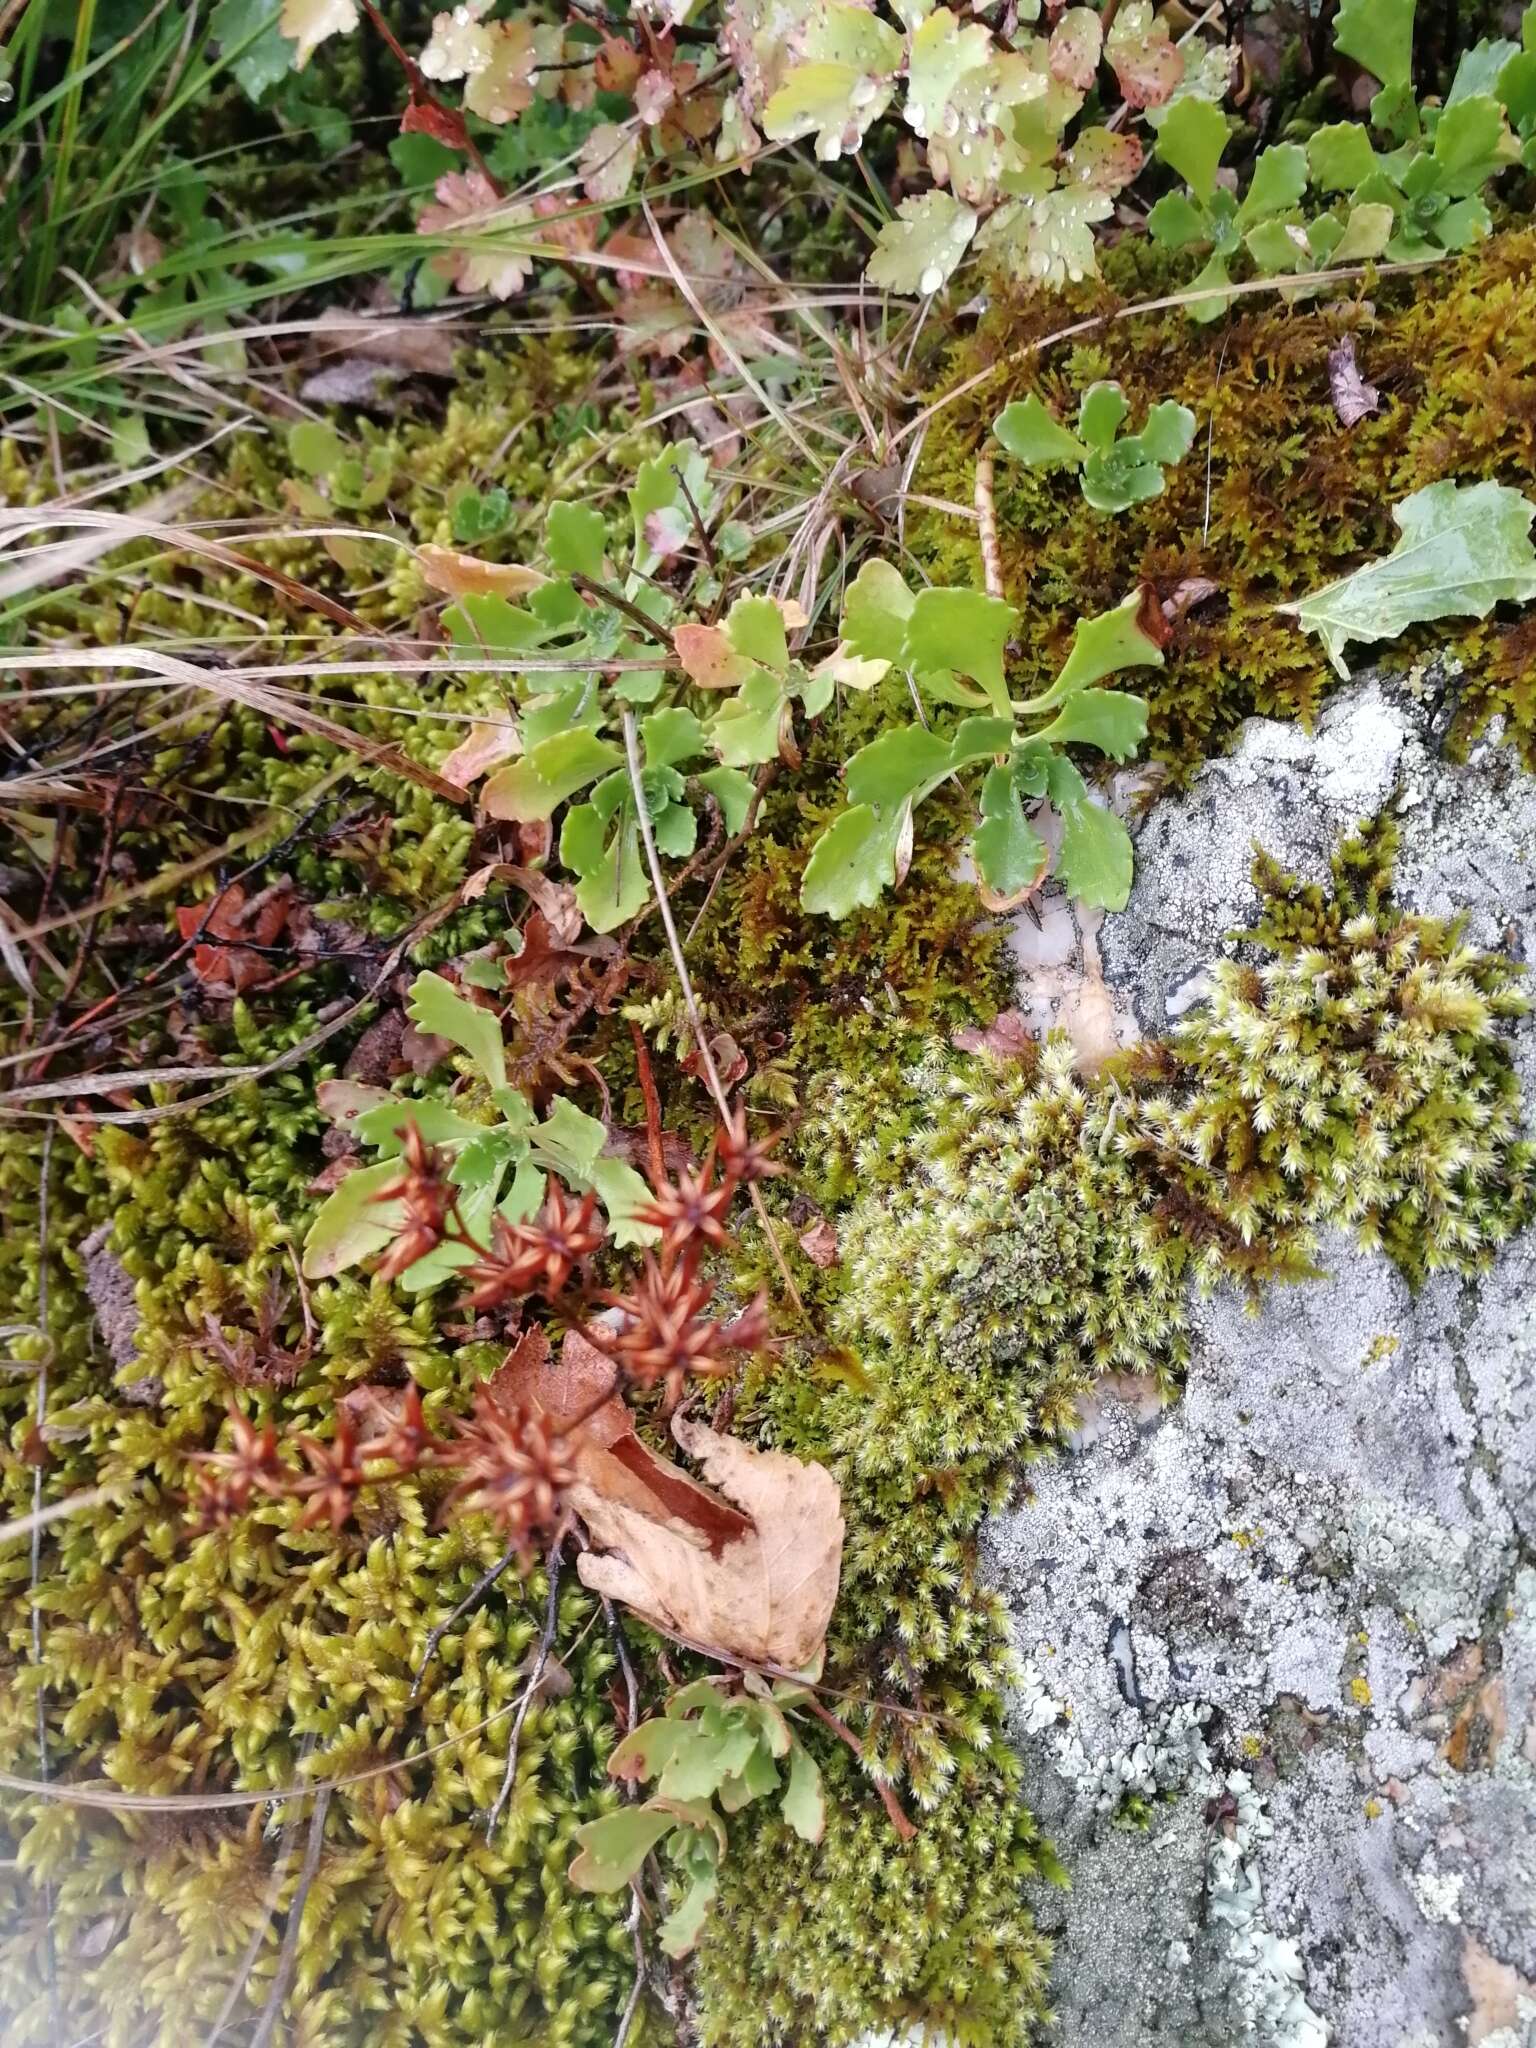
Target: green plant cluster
column 703, row 1748
column 1278, row 497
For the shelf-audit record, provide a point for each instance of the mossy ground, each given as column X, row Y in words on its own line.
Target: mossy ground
column 1005, row 1235
column 1276, row 497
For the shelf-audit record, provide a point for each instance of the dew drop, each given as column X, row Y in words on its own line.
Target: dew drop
column 930, row 280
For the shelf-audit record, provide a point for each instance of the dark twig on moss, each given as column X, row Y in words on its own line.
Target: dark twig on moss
column 476, row 1593
column 535, row 1676
column 289, row 1954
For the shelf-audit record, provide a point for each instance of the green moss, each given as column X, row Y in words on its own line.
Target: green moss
column 1276, row 497
column 1007, row 1232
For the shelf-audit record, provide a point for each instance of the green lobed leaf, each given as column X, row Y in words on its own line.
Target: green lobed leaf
column 1007, row 848
column 1169, row 432
column 613, row 1848
column 1095, row 860
column 1176, row 222
column 532, row 788
column 745, row 730
column 755, row 628
column 963, row 630
column 1101, row 647
column 1340, row 157
column 1190, row 141
column 853, row 861
column 1378, row 34
column 899, row 762
column 315, row 448
column 876, row 607
column 435, row 1006
column 575, row 537
column 917, row 252
column 1278, row 182
column 1031, row 432
column 1463, row 548
column 670, row 736
column 252, row 44
column 732, row 791
column 1101, row 415
column 1111, row 720
column 645, row 1750
column 682, row 1927
column 352, row 1223
column 804, row 1804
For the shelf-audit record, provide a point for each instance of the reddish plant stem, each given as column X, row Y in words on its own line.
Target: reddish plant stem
column 422, row 93
column 888, row 1798
column 652, row 1105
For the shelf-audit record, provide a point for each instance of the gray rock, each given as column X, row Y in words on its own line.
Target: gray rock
column 1289, row 1626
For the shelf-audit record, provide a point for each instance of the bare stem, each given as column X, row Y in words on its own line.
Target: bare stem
column 690, row 1000
column 541, row 1659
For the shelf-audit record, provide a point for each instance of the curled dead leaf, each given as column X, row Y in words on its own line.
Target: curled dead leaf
column 1353, row 398
column 767, row 1597
column 819, row 1243
column 459, row 575
column 489, row 743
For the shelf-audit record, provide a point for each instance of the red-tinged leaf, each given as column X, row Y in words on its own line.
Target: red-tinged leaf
column 709, row 659
column 617, row 1473
column 488, row 744
column 459, row 575
column 1076, row 46
column 427, row 116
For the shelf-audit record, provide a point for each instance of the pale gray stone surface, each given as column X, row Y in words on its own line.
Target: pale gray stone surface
column 1298, row 1611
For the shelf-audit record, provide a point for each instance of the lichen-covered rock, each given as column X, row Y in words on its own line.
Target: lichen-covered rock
column 1280, row 1703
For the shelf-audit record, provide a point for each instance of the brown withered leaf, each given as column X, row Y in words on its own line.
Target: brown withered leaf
column 459, row 575
column 766, row 1598
column 819, row 1243
column 746, row 1566
column 1353, row 398
column 425, row 346
column 488, row 744
column 1186, row 595
column 612, row 1464
column 730, row 1061
column 709, row 659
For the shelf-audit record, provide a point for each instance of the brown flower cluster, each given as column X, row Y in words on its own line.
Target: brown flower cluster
column 504, row 1458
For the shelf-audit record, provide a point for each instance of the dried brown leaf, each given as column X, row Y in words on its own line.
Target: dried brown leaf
column 767, row 1597
column 1353, row 398
column 459, row 575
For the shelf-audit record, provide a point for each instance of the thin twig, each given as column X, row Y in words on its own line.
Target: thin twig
column 690, row 1000
column 481, row 1586
column 888, row 1799
column 652, row 1105
column 535, row 1675
column 986, row 521
column 288, row 1955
